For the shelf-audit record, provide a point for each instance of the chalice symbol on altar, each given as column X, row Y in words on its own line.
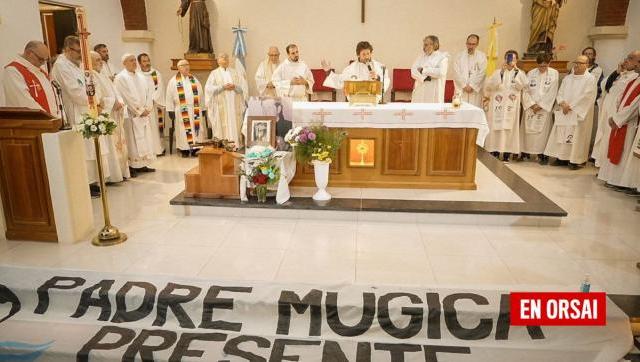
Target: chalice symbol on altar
column 362, row 149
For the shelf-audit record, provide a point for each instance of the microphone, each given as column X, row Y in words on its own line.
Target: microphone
column 369, row 67
column 58, row 89
column 382, row 96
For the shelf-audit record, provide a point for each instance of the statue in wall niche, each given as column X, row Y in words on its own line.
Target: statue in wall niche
column 544, row 21
column 199, row 26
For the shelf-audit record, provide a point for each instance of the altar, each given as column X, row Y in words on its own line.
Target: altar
column 398, row 145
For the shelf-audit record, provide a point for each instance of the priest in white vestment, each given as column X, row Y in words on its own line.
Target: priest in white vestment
column 365, row 68
column 622, row 128
column 138, row 99
column 571, row 134
column 26, row 84
column 225, row 102
column 616, row 84
column 469, row 68
column 265, row 86
column 185, row 102
column 108, row 69
column 537, row 101
column 504, row 89
column 293, row 78
column 154, row 80
column 68, row 73
column 109, row 101
column 593, row 68
column 430, row 72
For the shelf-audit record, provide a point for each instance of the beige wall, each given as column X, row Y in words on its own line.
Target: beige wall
column 20, row 22
column 331, row 28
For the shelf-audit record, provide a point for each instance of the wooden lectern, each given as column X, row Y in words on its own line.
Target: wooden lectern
column 216, row 175
column 24, row 184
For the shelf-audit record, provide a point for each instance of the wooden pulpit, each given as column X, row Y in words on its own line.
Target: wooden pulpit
column 216, row 175
column 24, row 184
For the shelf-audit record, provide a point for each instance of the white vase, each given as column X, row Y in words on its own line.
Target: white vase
column 321, row 173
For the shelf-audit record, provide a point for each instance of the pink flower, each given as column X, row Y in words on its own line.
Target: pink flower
column 303, row 138
column 311, row 136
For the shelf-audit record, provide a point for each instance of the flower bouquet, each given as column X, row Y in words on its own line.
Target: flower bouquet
column 317, row 145
column 261, row 168
column 95, row 126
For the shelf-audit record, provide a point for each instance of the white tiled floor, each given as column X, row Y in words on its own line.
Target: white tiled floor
column 600, row 237
column 490, row 188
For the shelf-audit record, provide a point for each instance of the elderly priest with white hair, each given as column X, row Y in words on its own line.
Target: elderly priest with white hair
column 26, row 84
column 138, row 99
column 224, row 100
column 185, row 102
column 265, row 86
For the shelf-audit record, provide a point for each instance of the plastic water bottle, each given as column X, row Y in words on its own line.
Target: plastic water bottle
column 586, row 284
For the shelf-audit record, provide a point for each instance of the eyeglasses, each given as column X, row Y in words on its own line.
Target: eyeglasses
column 77, row 50
column 38, row 57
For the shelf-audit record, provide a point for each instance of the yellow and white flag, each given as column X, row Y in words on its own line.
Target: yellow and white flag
column 492, row 49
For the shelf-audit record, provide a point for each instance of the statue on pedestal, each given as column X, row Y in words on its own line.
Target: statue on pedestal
column 544, row 20
column 199, row 26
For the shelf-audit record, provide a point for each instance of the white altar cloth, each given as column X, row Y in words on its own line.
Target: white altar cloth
column 391, row 115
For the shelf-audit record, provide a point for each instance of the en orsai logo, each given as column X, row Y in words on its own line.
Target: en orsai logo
column 558, row 309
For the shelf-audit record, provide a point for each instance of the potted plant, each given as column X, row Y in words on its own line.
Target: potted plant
column 316, row 145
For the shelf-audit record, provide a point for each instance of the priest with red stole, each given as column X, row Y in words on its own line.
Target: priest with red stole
column 624, row 139
column 26, row 84
column 621, row 127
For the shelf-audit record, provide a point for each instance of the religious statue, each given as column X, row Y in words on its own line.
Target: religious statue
column 544, row 20
column 199, row 26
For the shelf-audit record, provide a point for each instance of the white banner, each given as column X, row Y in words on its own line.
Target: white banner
column 392, row 115
column 62, row 315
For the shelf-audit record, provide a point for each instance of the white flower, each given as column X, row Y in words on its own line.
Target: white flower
column 102, row 128
column 94, row 128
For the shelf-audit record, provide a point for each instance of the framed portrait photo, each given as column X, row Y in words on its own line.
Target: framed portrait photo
column 261, row 130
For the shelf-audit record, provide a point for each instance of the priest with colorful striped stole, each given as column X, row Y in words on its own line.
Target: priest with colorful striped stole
column 138, row 99
column 186, row 108
column 26, row 84
column 225, row 102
